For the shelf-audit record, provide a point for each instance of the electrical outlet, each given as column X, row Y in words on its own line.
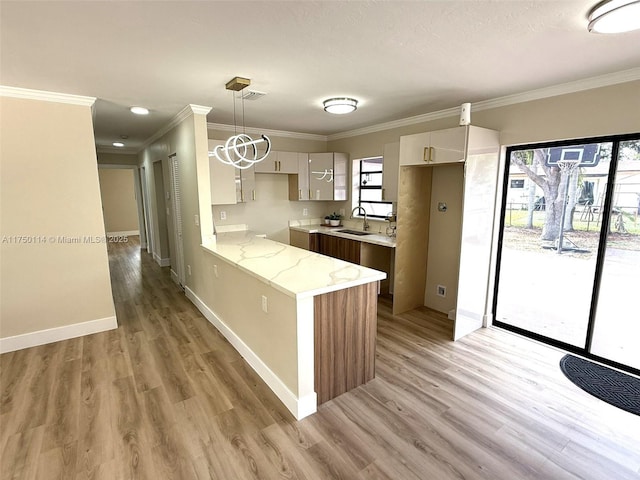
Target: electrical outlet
column 342, row 212
column 305, row 212
column 197, row 220
column 215, row 271
column 189, row 270
column 265, row 305
column 441, row 291
column 223, row 215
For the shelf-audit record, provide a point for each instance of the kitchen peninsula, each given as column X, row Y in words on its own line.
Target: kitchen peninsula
column 305, row 322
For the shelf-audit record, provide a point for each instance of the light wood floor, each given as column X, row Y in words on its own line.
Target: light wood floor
column 166, row 397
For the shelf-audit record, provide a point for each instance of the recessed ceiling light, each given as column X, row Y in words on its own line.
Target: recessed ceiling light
column 340, row 106
column 118, row 144
column 139, row 110
column 615, row 16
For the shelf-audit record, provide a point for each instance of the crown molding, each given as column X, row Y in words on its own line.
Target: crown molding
column 183, row 114
column 264, row 131
column 561, row 89
column 546, row 92
column 199, row 109
column 117, row 150
column 403, row 122
column 45, row 96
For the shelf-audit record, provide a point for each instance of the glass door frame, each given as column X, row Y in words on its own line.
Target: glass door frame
column 585, row 351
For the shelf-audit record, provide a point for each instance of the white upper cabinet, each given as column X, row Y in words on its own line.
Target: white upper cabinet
column 287, row 162
column 390, row 163
column 222, row 179
column 299, row 183
column 440, row 146
column 245, row 180
column 278, row 162
column 328, row 176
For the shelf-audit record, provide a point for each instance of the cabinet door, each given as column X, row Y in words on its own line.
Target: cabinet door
column 448, row 146
column 222, row 179
column 303, row 177
column 269, row 164
column 340, row 176
column 245, row 184
column 390, row 165
column 287, row 162
column 342, row 248
column 321, row 176
column 414, row 149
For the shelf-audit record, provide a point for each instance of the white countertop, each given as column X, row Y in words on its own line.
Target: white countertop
column 374, row 238
column 296, row 272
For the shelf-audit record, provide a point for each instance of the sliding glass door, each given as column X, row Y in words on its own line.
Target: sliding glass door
column 616, row 329
column 569, row 257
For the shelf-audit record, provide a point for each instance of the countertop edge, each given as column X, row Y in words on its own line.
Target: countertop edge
column 372, row 238
column 307, row 293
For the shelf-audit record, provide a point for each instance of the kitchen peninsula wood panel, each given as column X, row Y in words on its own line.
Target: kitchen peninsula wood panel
column 345, row 339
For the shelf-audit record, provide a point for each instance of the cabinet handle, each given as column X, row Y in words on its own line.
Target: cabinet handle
column 279, row 166
column 275, row 165
column 383, row 194
column 253, row 194
column 300, row 194
column 431, row 150
column 424, row 154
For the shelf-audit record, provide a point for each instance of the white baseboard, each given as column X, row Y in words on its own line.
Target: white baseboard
column 126, row 233
column 163, row 262
column 299, row 407
column 50, row 335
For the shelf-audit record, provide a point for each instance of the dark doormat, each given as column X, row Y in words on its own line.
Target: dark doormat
column 614, row 387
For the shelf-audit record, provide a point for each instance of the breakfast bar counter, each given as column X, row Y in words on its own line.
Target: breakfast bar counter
column 305, row 322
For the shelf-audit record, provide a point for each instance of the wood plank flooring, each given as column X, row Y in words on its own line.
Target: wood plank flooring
column 165, row 396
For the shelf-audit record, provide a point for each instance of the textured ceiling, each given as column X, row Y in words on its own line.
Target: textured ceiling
column 399, row 58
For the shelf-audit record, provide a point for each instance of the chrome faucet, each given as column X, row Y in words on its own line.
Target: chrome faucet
column 365, row 224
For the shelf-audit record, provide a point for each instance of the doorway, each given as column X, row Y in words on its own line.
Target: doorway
column 569, row 247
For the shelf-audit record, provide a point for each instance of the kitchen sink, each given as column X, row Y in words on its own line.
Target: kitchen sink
column 354, row 232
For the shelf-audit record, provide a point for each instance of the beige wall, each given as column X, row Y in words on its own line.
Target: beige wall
column 445, row 228
column 118, row 200
column 50, row 194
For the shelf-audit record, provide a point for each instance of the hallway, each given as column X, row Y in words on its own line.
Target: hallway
column 165, row 396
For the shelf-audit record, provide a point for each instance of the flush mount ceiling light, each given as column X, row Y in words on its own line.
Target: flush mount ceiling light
column 139, row 110
column 340, row 106
column 240, row 150
column 615, row 16
column 118, row 144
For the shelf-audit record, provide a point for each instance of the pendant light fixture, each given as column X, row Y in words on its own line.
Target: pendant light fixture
column 341, row 105
column 240, row 150
column 615, row 16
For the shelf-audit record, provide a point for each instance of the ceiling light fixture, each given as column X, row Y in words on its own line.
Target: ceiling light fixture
column 139, row 110
column 615, row 16
column 240, row 150
column 340, row 106
column 118, row 144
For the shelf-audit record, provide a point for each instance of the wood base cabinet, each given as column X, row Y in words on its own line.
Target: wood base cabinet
column 342, row 248
column 345, row 325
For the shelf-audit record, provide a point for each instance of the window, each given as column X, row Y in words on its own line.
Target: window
column 367, row 187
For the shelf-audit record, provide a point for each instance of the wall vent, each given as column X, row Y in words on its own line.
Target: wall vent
column 252, row 95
